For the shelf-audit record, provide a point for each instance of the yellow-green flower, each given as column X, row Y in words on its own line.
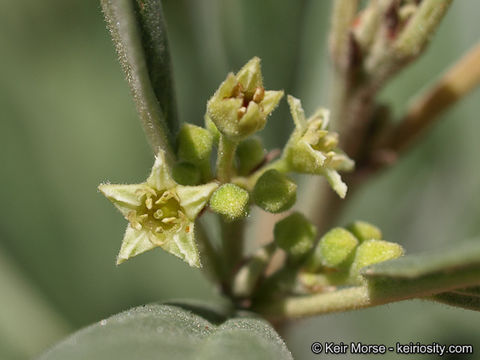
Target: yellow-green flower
column 241, row 105
column 312, row 149
column 160, row 213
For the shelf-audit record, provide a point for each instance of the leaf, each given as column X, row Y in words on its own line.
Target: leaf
column 155, row 44
column 139, row 36
column 458, row 299
column 172, row 331
column 425, row 274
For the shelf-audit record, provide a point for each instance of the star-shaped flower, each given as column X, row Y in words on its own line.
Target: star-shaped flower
column 160, row 212
column 313, row 149
column 241, row 105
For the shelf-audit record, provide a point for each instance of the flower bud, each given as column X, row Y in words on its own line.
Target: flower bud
column 231, row 201
column 295, row 234
column 333, row 250
column 241, row 105
column 365, row 231
column 194, row 143
column 185, row 173
column 275, row 192
column 250, row 154
column 371, row 252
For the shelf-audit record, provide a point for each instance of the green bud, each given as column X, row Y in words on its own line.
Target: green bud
column 210, row 126
column 365, row 231
column 275, row 192
column 295, row 234
column 371, row 252
column 333, row 250
column 231, row 201
column 185, row 173
column 241, row 105
column 194, row 143
column 250, row 154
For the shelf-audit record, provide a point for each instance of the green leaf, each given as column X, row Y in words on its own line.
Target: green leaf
column 157, row 54
column 459, row 299
column 139, row 36
column 172, row 331
column 425, row 274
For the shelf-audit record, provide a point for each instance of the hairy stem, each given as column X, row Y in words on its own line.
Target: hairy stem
column 210, row 258
column 343, row 13
column 232, row 245
column 454, row 85
column 226, row 155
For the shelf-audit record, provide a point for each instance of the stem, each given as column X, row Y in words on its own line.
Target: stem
column 343, row 13
column 299, row 306
column 232, row 244
column 249, row 275
column 374, row 292
column 225, row 157
column 454, row 85
column 420, row 28
column 209, row 256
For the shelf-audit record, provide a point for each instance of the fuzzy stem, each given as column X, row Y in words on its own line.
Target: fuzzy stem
column 299, row 306
column 343, row 13
column 454, row 85
column 226, row 155
column 209, row 256
column 232, row 244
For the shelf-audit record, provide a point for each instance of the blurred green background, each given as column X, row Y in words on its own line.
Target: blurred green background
column 68, row 123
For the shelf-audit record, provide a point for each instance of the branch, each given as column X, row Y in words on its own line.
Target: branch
column 343, row 13
column 454, row 85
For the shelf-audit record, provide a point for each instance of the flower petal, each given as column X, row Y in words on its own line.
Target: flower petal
column 225, row 89
column 182, row 244
column 134, row 243
column 194, row 198
column 271, row 100
column 250, row 75
column 253, row 120
column 335, row 182
column 125, row 197
column 160, row 177
column 297, row 112
column 323, row 115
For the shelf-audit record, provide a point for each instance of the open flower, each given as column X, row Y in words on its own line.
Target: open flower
column 312, row 149
column 160, row 212
column 241, row 105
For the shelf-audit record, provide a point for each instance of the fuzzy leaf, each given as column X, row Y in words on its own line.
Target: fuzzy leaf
column 172, row 332
column 140, row 40
column 458, row 299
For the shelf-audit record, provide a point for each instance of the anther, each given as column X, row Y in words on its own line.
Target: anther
column 259, row 94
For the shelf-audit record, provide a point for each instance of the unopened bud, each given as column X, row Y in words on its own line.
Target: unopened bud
column 295, row 234
column 231, row 201
column 275, row 192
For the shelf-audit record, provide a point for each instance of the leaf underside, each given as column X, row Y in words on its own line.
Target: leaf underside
column 172, row 331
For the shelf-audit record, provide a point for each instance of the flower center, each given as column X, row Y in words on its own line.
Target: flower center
column 256, row 96
column 320, row 140
column 160, row 211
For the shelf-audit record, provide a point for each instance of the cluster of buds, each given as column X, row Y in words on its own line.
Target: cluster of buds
column 162, row 211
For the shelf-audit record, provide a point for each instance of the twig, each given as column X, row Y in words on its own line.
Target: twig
column 454, row 85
